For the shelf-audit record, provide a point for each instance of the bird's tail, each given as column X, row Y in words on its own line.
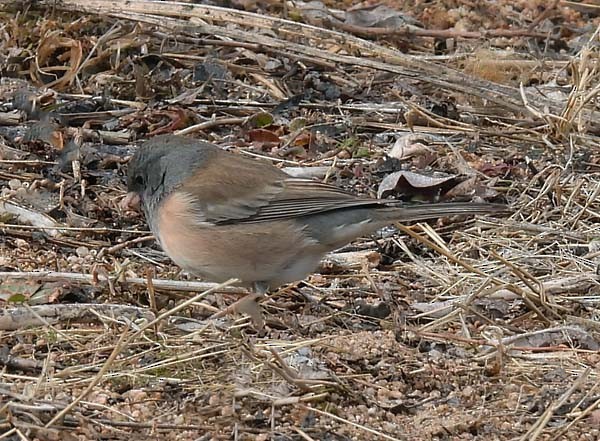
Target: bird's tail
column 432, row 211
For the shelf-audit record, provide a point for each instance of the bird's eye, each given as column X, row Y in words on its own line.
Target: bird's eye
column 139, row 180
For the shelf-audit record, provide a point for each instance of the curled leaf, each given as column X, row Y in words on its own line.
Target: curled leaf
column 407, row 146
column 54, row 48
column 406, row 182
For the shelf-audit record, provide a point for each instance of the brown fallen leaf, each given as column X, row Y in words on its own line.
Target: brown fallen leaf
column 409, row 145
column 54, row 48
column 471, row 187
column 411, row 183
column 30, row 291
column 263, row 136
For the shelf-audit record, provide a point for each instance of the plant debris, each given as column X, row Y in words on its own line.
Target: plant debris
column 478, row 328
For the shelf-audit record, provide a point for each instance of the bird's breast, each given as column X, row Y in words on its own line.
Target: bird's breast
column 251, row 252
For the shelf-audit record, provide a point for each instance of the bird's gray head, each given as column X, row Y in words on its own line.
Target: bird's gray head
column 162, row 164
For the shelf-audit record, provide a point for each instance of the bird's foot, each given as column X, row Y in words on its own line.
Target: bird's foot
column 248, row 305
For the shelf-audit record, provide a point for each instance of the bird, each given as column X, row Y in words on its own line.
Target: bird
column 220, row 215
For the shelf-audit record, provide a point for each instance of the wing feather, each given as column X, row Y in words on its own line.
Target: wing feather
column 253, row 192
column 304, row 197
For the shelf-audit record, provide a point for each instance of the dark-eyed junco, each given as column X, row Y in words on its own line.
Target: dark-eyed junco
column 220, row 215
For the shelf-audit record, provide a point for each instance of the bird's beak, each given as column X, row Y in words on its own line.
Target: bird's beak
column 131, row 201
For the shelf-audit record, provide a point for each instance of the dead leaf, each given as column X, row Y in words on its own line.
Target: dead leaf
column 409, row 145
column 54, row 48
column 29, row 217
column 263, row 136
column 379, row 310
column 260, row 119
column 406, row 182
column 29, row 291
column 307, row 365
column 10, row 153
column 381, row 16
column 176, row 118
column 471, row 187
column 499, row 168
column 143, row 89
column 297, row 124
column 316, row 13
column 303, row 140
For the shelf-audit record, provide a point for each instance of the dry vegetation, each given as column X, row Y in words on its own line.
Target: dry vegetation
column 463, row 329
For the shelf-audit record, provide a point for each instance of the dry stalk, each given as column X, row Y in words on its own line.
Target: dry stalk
column 536, row 430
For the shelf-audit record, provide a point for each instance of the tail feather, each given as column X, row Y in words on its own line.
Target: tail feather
column 336, row 228
column 432, row 211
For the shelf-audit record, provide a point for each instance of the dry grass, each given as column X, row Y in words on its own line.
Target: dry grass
column 484, row 328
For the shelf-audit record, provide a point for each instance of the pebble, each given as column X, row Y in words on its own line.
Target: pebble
column 20, row 243
column 14, row 184
column 82, row 251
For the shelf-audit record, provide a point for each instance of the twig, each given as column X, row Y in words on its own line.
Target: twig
column 107, row 364
column 345, row 421
column 411, row 31
column 161, row 15
column 173, row 285
column 544, row 15
column 302, row 433
column 39, row 220
column 536, row 430
column 100, row 230
column 595, row 405
column 524, row 294
column 24, row 317
column 124, row 342
column 125, row 244
column 13, row 118
column 211, row 124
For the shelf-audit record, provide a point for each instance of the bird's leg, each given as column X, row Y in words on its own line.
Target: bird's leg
column 249, row 305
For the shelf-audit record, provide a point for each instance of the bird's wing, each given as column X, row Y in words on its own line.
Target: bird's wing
column 248, row 191
column 301, row 197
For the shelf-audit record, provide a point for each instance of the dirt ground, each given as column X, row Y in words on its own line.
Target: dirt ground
column 464, row 328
